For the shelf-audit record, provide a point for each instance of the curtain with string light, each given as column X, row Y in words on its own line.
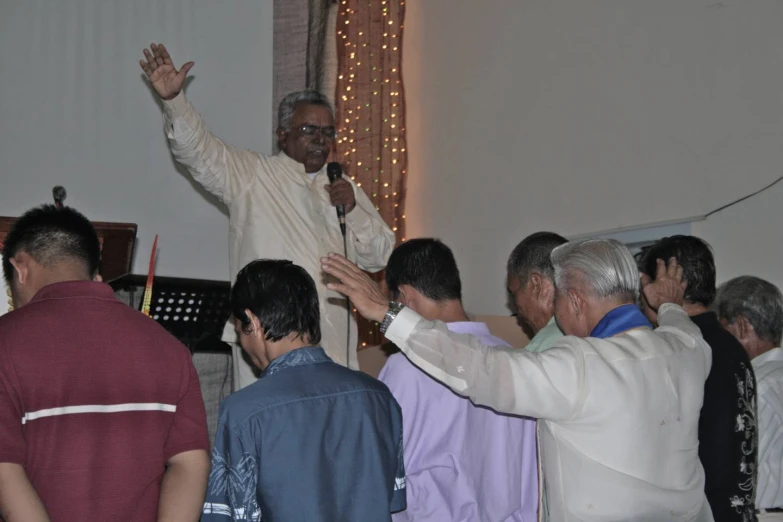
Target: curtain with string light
column 370, row 111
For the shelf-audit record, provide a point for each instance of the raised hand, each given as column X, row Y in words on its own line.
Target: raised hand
column 164, row 77
column 668, row 286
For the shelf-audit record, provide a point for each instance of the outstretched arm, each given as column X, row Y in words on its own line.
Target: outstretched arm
column 223, row 170
column 548, row 385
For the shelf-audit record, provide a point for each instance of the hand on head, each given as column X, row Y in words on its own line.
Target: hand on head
column 164, row 77
column 668, row 286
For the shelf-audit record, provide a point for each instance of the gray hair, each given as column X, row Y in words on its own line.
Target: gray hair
column 287, row 106
column 606, row 265
column 534, row 254
column 759, row 301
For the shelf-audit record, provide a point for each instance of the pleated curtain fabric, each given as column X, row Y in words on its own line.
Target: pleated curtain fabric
column 370, row 111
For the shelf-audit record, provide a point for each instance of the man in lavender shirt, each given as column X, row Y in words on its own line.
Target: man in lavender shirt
column 463, row 462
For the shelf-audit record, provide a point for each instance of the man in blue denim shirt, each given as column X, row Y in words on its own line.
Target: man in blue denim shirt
column 310, row 440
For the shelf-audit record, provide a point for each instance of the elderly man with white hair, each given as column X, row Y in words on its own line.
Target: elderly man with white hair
column 280, row 206
column 619, row 401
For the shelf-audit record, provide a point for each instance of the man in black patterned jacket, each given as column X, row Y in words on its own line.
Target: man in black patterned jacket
column 728, row 438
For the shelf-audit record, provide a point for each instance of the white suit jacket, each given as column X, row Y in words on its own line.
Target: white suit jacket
column 619, row 437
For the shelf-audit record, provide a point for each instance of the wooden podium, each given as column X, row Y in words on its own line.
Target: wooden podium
column 117, row 243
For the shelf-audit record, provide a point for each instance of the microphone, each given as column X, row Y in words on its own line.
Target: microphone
column 58, row 193
column 335, row 171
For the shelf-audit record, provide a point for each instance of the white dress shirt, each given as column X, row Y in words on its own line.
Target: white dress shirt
column 619, row 430
column 769, row 402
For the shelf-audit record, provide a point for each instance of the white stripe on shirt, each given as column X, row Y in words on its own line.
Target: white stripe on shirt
column 99, row 408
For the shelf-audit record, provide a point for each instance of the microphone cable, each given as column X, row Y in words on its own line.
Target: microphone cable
column 349, row 310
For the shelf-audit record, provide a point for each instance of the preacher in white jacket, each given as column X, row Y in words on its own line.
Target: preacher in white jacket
column 619, row 401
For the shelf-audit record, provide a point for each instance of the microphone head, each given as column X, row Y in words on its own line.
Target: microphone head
column 333, row 171
column 58, row 193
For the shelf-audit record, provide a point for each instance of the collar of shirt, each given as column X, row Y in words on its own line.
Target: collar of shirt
column 775, row 354
column 298, row 357
column 71, row 289
column 294, row 165
column 619, row 320
column 706, row 320
column 469, row 327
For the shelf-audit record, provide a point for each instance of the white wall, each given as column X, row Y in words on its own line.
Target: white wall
column 75, row 111
column 579, row 116
column 748, row 238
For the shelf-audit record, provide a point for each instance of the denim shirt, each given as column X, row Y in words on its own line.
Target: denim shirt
column 310, row 440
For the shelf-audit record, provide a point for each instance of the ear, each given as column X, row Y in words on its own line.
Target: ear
column 537, row 281
column 98, row 278
column 254, row 320
column 409, row 296
column 743, row 328
column 282, row 134
column 576, row 302
column 255, row 324
column 21, row 264
column 546, row 286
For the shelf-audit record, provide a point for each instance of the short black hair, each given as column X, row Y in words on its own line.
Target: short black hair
column 51, row 235
column 694, row 255
column 534, row 254
column 427, row 265
column 283, row 297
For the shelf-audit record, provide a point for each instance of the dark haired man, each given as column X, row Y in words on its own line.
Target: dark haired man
column 531, row 282
column 101, row 416
column 463, row 462
column 310, row 440
column 728, row 437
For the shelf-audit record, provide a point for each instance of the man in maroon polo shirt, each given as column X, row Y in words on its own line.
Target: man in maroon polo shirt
column 101, row 415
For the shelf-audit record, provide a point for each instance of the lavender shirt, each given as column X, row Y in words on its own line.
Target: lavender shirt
column 463, row 462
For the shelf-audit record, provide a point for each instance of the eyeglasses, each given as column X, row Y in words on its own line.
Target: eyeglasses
column 311, row 130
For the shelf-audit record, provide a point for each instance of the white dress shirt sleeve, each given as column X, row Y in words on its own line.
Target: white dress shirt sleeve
column 222, row 170
column 374, row 240
column 545, row 385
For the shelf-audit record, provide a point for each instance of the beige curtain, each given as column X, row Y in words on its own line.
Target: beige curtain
column 301, row 29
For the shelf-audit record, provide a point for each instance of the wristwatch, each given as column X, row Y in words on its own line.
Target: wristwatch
column 391, row 315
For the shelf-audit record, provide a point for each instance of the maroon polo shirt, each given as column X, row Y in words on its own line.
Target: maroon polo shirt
column 94, row 399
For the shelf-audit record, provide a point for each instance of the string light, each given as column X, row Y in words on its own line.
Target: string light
column 370, row 111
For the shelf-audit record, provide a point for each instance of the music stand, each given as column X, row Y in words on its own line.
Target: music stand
column 194, row 311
